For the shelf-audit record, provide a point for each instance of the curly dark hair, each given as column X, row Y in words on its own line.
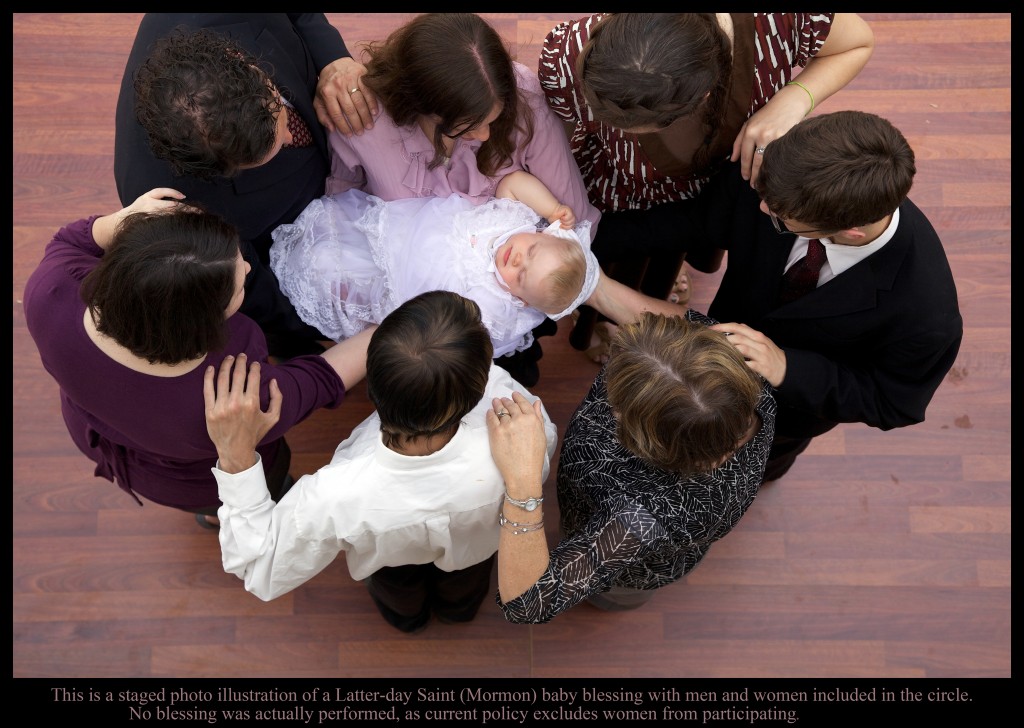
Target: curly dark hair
column 207, row 106
column 456, row 67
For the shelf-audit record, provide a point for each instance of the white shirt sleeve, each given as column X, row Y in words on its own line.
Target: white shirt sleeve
column 501, row 384
column 265, row 544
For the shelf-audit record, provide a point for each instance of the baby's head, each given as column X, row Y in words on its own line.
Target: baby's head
column 544, row 271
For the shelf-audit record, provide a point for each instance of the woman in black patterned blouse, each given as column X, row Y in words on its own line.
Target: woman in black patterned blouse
column 662, row 458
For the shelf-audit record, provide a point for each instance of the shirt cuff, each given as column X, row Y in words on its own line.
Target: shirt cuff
column 248, row 486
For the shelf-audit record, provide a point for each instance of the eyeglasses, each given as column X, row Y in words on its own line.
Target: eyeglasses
column 781, row 229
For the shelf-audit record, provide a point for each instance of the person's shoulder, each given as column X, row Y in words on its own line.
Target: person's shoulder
column 526, row 79
column 565, row 31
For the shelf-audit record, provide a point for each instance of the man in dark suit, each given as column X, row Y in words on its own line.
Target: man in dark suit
column 206, row 107
column 878, row 326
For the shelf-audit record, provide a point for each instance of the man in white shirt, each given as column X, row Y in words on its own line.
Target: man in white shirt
column 412, row 496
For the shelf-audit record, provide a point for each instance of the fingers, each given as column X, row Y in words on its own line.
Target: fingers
column 158, row 193
column 274, row 410
column 522, row 403
column 342, row 102
column 239, row 377
column 224, row 377
column 323, row 116
column 755, row 163
column 517, row 404
column 730, row 328
column 233, row 382
column 209, row 396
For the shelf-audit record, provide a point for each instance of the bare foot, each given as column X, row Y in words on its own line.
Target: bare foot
column 600, row 342
column 681, row 291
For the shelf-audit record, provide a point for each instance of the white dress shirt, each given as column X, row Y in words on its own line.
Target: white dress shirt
column 380, row 507
column 839, row 257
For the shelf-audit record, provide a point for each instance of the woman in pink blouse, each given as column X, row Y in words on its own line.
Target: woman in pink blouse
column 659, row 101
column 457, row 115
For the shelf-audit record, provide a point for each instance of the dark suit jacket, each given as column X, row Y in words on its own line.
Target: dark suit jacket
column 292, row 48
column 872, row 345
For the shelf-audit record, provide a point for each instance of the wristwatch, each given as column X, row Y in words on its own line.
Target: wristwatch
column 530, row 504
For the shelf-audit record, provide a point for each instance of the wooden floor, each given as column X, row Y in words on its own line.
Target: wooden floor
column 881, row 554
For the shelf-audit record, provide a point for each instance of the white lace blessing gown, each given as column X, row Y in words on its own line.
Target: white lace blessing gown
column 350, row 259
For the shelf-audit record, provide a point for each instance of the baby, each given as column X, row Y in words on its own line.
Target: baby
column 350, row 259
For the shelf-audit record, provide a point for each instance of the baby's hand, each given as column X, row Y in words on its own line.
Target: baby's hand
column 565, row 215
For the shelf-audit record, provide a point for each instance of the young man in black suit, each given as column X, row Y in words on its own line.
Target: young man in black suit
column 878, row 326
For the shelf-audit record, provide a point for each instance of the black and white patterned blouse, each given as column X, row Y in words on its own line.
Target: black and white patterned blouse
column 628, row 523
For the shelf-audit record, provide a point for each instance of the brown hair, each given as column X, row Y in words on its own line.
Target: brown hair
column 206, row 107
column 162, row 288
column 456, row 67
column 565, row 282
column 837, row 171
column 427, row 365
column 682, row 395
column 649, row 69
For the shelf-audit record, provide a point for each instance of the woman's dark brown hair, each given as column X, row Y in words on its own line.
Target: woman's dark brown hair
column 455, row 68
column 642, row 70
column 162, row 288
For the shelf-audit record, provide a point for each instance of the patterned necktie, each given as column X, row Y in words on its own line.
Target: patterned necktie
column 301, row 135
column 802, row 277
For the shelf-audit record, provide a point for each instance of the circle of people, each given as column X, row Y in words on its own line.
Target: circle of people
column 421, row 221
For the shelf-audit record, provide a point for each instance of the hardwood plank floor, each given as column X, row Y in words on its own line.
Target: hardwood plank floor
column 881, row 554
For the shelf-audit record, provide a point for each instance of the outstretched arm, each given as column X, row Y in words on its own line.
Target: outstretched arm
column 260, row 540
column 526, row 188
column 623, row 305
column 348, row 357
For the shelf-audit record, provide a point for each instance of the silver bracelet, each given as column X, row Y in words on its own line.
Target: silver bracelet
column 518, row 528
column 530, row 504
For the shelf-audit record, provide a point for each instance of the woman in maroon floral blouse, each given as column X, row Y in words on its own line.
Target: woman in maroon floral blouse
column 658, row 102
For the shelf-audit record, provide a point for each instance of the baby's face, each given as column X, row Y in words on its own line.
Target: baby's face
column 526, row 260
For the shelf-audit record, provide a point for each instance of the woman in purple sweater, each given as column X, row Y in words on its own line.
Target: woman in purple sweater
column 127, row 311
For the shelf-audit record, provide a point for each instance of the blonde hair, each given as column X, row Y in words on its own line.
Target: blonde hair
column 682, row 395
column 565, row 282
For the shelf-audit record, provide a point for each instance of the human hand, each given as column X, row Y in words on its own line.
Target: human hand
column 233, row 416
column 761, row 353
column 564, row 214
column 342, row 103
column 518, row 443
column 764, row 126
column 103, row 228
column 153, row 201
